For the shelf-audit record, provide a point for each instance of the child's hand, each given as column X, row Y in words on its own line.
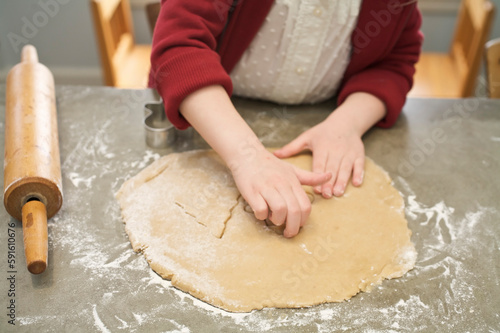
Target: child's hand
column 336, row 142
column 273, row 189
column 336, row 149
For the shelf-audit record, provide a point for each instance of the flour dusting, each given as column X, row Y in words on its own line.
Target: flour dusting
column 98, row 322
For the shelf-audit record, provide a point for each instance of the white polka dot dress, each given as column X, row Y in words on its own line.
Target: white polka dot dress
column 300, row 53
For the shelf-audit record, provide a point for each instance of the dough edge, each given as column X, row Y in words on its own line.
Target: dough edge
column 405, row 263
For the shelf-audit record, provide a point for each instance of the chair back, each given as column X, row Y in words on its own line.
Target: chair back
column 493, row 67
column 113, row 26
column 474, row 23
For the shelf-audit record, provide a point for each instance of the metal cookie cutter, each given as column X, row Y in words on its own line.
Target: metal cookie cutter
column 160, row 133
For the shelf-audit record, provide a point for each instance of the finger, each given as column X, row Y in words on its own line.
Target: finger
column 259, row 206
column 319, row 165
column 293, row 147
column 345, row 172
column 293, row 216
column 277, row 206
column 311, row 178
column 305, row 204
column 359, row 171
column 332, row 165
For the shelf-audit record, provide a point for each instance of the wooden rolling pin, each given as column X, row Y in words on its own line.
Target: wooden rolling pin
column 32, row 170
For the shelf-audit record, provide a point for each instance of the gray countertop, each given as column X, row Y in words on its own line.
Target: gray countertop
column 443, row 155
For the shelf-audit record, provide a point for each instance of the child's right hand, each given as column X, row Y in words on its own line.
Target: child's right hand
column 272, row 187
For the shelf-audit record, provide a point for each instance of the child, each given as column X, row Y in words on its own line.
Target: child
column 288, row 51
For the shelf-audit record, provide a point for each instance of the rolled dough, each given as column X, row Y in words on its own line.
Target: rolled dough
column 186, row 215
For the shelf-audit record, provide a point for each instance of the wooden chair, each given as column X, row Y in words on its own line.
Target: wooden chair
column 125, row 64
column 454, row 74
column 493, row 67
column 152, row 12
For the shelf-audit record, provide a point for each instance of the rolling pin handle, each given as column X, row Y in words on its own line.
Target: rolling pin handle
column 35, row 235
column 29, row 54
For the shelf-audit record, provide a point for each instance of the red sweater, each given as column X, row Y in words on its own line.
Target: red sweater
column 191, row 49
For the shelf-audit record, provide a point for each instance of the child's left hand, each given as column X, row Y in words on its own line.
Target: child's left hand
column 336, row 149
column 336, row 142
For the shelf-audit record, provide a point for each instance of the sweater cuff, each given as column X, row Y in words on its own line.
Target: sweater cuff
column 192, row 71
column 385, row 85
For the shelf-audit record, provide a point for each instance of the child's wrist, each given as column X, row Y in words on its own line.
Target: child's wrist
column 359, row 112
column 343, row 118
column 242, row 153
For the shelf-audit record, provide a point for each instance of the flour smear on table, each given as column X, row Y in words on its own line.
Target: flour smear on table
column 451, row 240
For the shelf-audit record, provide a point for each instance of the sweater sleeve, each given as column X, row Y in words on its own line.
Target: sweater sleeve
column 184, row 57
column 390, row 78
